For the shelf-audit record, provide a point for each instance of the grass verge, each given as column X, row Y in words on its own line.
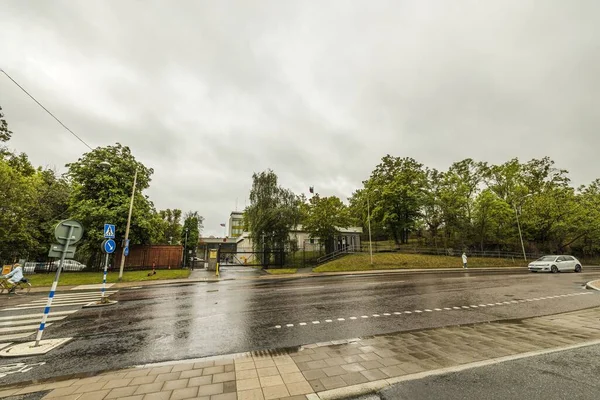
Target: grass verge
column 90, row 278
column 361, row 262
column 280, row 271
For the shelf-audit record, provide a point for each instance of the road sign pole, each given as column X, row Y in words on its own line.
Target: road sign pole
column 104, row 299
column 54, row 285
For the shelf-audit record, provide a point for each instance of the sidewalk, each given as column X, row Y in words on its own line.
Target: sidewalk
column 337, row 369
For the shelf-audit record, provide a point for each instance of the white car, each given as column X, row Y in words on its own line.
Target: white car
column 555, row 264
column 70, row 265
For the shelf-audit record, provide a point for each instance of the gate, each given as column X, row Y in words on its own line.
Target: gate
column 266, row 259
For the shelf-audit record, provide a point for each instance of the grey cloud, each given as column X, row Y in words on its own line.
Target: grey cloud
column 208, row 92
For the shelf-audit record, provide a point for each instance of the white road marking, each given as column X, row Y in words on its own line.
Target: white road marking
column 290, row 325
column 302, row 323
column 30, row 320
column 5, row 338
column 21, row 328
column 39, row 316
column 316, row 322
column 278, row 326
column 300, row 288
column 439, row 309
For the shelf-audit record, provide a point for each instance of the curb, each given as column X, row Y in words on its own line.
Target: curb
column 593, row 285
column 375, row 386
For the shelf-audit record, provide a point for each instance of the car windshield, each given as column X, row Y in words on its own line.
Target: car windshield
column 547, row 258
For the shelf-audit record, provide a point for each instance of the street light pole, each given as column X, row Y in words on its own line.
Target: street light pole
column 128, row 223
column 185, row 248
column 369, row 224
column 520, row 234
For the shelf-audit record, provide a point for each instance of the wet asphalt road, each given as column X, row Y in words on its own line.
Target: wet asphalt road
column 569, row 374
column 173, row 322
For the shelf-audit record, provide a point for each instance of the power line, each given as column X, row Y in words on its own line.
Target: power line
column 45, row 109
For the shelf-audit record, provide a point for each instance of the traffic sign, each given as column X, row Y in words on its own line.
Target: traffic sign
column 62, row 231
column 109, row 246
column 126, row 251
column 56, row 251
column 109, row 231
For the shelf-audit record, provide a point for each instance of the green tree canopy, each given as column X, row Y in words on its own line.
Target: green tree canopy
column 102, row 182
column 272, row 213
column 324, row 217
column 5, row 133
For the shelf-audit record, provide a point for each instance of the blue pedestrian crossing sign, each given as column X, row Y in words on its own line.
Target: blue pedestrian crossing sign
column 109, row 246
column 109, row 231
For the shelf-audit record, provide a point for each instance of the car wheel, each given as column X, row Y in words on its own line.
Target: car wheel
column 578, row 268
column 554, row 269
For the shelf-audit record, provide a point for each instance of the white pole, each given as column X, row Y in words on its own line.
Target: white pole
column 520, row 234
column 104, row 298
column 53, row 289
column 128, row 224
column 369, row 223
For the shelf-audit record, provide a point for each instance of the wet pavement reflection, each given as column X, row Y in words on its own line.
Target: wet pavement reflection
column 184, row 321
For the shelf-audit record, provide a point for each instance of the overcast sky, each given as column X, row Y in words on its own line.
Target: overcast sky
column 208, row 92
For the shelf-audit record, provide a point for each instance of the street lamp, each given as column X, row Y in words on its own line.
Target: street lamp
column 519, row 225
column 185, row 248
column 368, row 191
column 369, row 224
column 128, row 223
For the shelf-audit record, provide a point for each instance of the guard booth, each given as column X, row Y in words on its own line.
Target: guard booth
column 213, row 259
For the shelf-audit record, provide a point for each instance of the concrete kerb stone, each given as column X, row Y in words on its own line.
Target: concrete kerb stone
column 28, row 348
column 96, row 304
column 372, row 387
column 593, row 285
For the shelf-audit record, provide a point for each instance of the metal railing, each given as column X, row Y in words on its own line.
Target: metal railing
column 441, row 251
column 338, row 253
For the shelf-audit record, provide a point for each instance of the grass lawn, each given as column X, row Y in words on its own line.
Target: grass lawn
column 87, row 278
column 361, row 262
column 280, row 271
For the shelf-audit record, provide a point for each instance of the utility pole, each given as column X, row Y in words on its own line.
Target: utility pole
column 128, row 224
column 185, row 248
column 369, row 223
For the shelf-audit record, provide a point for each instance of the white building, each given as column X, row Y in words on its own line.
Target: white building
column 236, row 224
column 346, row 237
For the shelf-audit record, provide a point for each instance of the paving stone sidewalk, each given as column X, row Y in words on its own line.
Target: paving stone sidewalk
column 327, row 370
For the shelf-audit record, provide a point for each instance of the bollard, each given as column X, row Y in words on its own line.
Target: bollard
column 104, row 299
